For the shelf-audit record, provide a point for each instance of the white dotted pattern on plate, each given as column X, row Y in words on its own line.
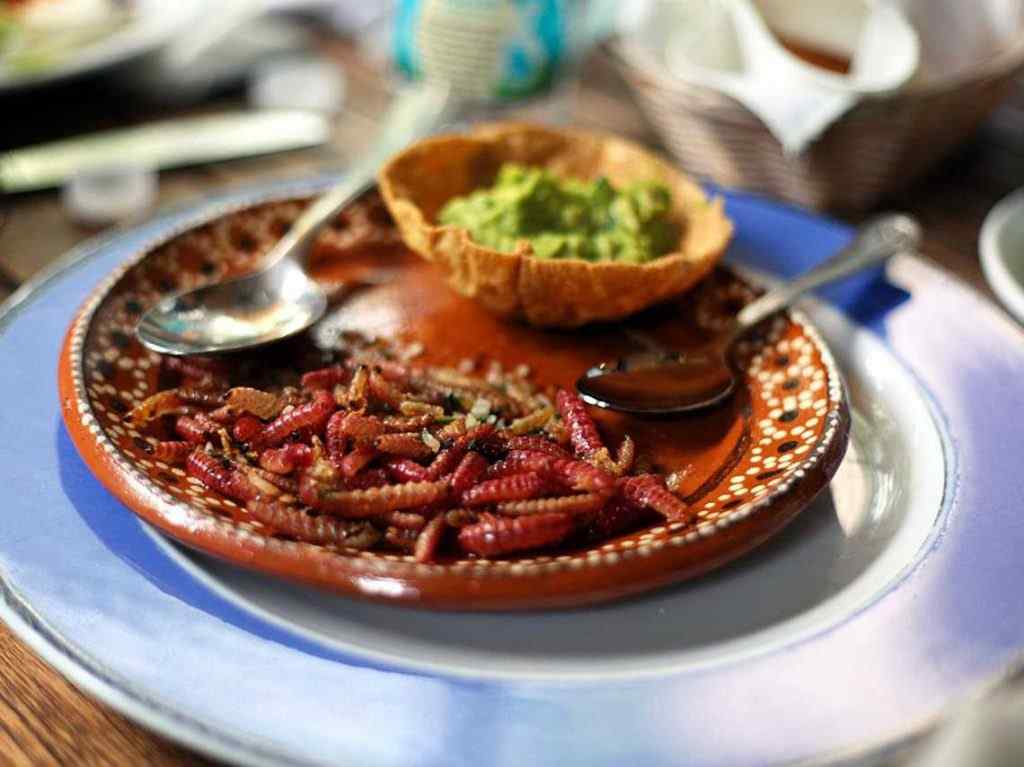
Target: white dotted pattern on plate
column 803, row 399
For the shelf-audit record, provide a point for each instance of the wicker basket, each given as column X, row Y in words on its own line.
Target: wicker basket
column 877, row 149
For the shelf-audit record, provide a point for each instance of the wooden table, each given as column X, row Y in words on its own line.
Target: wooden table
column 45, row 720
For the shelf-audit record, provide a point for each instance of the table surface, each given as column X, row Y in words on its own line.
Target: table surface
column 43, row 718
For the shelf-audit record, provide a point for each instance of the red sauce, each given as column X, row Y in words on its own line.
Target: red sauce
column 698, row 378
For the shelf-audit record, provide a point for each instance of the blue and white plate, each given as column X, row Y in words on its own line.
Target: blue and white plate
column 855, row 628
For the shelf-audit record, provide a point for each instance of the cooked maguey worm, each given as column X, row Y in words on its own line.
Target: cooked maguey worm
column 377, row 453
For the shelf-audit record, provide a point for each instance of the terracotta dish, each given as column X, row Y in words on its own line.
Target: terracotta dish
column 743, row 470
column 548, row 293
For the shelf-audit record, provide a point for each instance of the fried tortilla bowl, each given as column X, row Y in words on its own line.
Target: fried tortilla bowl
column 564, row 293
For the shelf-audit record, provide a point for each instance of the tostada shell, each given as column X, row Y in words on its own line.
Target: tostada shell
column 556, row 293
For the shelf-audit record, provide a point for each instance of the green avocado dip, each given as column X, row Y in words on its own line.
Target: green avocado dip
column 567, row 218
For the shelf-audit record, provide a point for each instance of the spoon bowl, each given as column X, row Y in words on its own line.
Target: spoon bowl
column 660, row 383
column 256, row 309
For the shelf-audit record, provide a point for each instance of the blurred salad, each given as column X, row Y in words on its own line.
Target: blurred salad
column 37, row 34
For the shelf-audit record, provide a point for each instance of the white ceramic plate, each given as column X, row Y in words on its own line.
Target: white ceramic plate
column 879, row 513
column 1002, row 252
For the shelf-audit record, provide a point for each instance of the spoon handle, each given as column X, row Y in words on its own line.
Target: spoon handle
column 876, row 241
column 414, row 112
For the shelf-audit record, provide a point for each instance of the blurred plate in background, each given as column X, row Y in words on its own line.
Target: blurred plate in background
column 1002, row 252
column 145, row 26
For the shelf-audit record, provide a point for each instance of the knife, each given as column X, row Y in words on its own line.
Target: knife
column 164, row 144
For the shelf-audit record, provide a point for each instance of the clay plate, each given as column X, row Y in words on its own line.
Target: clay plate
column 753, row 464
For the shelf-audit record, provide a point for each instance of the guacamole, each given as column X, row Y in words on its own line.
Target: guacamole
column 567, row 218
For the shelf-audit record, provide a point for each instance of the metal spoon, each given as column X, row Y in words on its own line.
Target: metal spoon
column 280, row 300
column 661, row 382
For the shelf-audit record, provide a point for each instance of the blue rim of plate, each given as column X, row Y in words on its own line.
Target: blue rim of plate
column 86, row 588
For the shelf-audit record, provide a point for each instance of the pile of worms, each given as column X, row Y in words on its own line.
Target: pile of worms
column 378, row 453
